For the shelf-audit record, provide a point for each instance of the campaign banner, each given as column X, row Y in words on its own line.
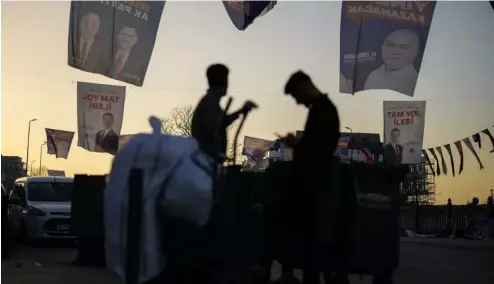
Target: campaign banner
column 124, row 139
column 404, row 123
column 56, row 173
column 113, row 38
column 100, row 110
column 255, row 149
column 382, row 44
column 58, row 142
column 243, row 13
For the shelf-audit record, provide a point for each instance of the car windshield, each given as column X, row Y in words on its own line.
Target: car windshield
column 50, row 191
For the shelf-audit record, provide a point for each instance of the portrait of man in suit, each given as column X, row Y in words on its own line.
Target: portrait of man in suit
column 106, row 138
column 87, row 48
column 127, row 64
column 398, row 51
column 394, row 150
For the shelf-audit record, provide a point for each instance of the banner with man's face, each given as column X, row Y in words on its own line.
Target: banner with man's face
column 113, row 38
column 382, row 44
column 404, row 123
column 100, row 110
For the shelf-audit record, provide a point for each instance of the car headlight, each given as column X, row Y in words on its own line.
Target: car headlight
column 34, row 211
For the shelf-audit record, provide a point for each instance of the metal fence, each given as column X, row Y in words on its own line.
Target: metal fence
column 432, row 219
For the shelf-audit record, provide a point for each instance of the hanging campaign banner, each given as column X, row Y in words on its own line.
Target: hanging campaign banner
column 124, row 139
column 58, row 142
column 56, row 173
column 255, row 149
column 113, row 38
column 382, row 44
column 100, row 110
column 243, row 13
column 404, row 123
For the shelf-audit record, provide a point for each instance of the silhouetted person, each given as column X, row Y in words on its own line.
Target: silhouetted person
column 107, row 138
column 209, row 127
column 312, row 156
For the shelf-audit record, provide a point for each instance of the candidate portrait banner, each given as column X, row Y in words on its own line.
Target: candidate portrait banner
column 56, row 173
column 243, row 13
column 382, row 44
column 100, row 110
column 404, row 123
column 58, row 142
column 113, row 38
column 255, row 149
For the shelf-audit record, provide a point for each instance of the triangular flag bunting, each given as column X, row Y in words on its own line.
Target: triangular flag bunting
column 460, row 151
column 428, row 161
column 470, row 147
column 488, row 133
column 448, row 148
column 476, row 138
column 438, row 168
column 243, row 13
column 443, row 162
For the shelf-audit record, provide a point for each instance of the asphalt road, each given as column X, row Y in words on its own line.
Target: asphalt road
column 420, row 264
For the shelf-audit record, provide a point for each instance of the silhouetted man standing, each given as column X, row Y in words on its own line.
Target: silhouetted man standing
column 312, row 156
column 208, row 124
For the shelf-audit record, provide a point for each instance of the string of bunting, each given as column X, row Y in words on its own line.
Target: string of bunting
column 436, row 152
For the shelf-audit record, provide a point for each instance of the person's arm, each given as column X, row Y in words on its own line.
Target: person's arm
column 230, row 118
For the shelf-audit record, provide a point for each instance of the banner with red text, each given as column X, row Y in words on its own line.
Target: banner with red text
column 100, row 110
column 404, row 123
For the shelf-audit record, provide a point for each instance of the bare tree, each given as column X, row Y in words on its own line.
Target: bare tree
column 179, row 122
column 36, row 172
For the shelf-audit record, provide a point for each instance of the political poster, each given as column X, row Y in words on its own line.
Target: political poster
column 58, row 142
column 255, row 149
column 113, row 38
column 100, row 110
column 404, row 123
column 382, row 44
column 124, row 139
column 56, row 173
column 243, row 13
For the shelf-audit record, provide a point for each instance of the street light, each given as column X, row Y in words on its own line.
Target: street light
column 351, row 131
column 28, row 135
column 41, row 156
column 32, row 167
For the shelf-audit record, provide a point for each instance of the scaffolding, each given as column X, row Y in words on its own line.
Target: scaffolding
column 422, row 188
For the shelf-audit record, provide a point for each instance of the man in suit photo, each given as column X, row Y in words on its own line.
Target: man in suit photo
column 85, row 47
column 394, row 150
column 107, row 138
column 127, row 64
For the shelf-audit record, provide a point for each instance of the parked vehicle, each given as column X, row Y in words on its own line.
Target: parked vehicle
column 39, row 208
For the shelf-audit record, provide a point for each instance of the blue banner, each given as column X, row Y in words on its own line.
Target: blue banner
column 382, row 44
column 243, row 13
column 113, row 38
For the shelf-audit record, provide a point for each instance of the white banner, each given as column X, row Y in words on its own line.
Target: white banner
column 404, row 123
column 56, row 173
column 100, row 110
column 58, row 142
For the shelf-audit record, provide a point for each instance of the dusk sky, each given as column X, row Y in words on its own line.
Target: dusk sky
column 456, row 78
